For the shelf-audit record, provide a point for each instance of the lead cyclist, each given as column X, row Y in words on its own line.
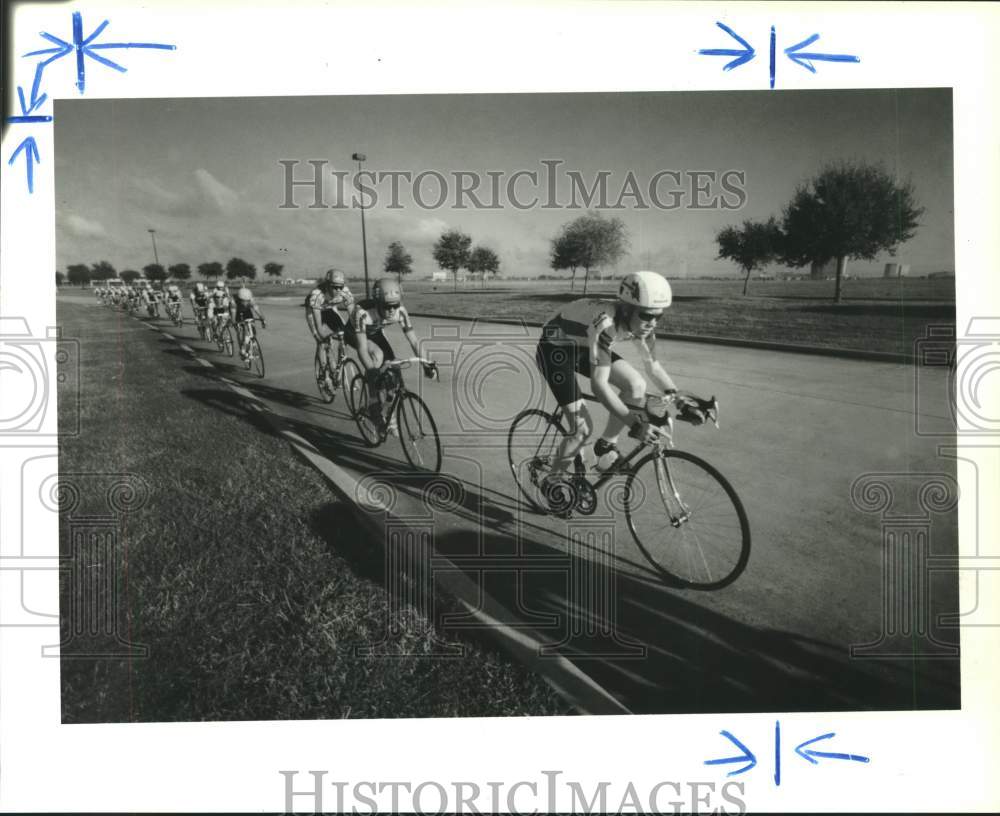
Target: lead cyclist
column 579, row 339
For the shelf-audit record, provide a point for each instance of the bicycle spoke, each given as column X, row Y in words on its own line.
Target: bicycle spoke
column 687, row 520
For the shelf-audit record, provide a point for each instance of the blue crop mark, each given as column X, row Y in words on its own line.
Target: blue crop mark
column 83, row 47
column 811, row 756
column 742, row 55
column 794, row 53
column 747, row 756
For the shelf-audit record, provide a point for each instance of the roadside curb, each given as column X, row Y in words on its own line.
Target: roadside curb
column 821, row 351
column 521, row 643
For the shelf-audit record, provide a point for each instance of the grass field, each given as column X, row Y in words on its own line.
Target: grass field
column 876, row 315
column 249, row 584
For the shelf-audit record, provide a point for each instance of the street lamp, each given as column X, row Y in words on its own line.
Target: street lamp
column 360, row 157
column 152, row 234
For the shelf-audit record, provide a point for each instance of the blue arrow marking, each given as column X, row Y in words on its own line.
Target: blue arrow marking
column 30, row 155
column 27, row 108
column 747, row 756
column 84, row 47
column 805, row 58
column 809, row 753
column 773, row 41
column 777, row 752
column 743, row 55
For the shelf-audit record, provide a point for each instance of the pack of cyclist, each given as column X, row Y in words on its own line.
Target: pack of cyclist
column 580, row 339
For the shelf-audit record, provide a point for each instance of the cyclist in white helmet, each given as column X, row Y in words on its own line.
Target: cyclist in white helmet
column 218, row 305
column 322, row 315
column 241, row 308
column 579, row 339
column 199, row 303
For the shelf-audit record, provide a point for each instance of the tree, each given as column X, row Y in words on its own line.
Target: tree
column 128, row 275
column 398, row 261
column 452, row 252
column 273, row 269
column 591, row 242
column 59, row 278
column 102, row 270
column 78, row 274
column 154, row 272
column 212, row 269
column 566, row 253
column 752, row 246
column 180, row 271
column 238, row 268
column 483, row 261
column 851, row 210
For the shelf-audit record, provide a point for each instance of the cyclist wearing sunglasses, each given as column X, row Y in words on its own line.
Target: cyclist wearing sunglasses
column 579, row 339
column 370, row 317
column 322, row 318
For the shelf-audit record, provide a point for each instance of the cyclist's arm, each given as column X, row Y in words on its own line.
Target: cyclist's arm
column 411, row 338
column 654, row 371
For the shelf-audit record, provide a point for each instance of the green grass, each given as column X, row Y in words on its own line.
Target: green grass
column 876, row 315
column 245, row 578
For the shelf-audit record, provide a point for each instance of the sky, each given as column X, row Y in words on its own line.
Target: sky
column 206, row 173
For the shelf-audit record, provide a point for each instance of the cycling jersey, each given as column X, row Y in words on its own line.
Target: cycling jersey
column 366, row 318
column 200, row 299
column 577, row 338
column 244, row 309
column 318, row 299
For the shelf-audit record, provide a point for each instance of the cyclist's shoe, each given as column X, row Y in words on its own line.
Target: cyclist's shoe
column 392, row 428
column 559, row 494
column 608, row 455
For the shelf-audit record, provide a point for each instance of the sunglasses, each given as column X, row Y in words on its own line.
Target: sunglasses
column 649, row 317
column 389, row 307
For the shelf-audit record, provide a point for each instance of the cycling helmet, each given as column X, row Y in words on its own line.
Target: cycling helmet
column 219, row 285
column 199, row 287
column 387, row 291
column 334, row 277
column 649, row 290
column 244, row 294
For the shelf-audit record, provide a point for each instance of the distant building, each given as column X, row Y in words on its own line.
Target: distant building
column 821, row 270
column 896, row 270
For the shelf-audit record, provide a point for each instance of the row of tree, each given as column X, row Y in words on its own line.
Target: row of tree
column 849, row 211
column 454, row 251
column 81, row 274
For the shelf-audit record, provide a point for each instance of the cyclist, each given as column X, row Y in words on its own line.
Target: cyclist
column 242, row 308
column 173, row 297
column 322, row 315
column 218, row 305
column 366, row 334
column 199, row 303
column 578, row 339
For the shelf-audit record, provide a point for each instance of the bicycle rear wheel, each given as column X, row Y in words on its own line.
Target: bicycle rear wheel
column 369, row 426
column 348, row 373
column 687, row 520
column 418, row 433
column 256, row 357
column 532, row 443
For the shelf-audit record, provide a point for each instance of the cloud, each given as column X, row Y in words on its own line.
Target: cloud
column 84, row 228
column 215, row 192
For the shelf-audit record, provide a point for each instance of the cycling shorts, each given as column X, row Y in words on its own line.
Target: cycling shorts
column 378, row 338
column 560, row 359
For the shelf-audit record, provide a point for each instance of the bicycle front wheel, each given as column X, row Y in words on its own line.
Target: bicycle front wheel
column 687, row 520
column 348, row 373
column 532, row 445
column 418, row 433
column 256, row 357
column 227, row 341
column 369, row 424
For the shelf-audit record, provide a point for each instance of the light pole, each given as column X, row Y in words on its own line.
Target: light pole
column 360, row 157
column 152, row 234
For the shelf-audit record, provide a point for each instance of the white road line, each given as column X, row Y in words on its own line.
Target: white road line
column 186, row 348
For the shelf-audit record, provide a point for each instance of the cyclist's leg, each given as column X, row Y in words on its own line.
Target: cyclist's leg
column 632, row 389
column 558, row 361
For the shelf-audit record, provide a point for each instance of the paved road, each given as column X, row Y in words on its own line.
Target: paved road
column 797, row 431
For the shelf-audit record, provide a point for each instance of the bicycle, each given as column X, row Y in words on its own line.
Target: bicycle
column 684, row 516
column 250, row 345
column 339, row 375
column 153, row 308
column 416, row 428
column 174, row 313
column 201, row 320
column 222, row 334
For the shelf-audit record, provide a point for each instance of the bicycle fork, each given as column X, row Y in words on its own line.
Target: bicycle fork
column 666, row 487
